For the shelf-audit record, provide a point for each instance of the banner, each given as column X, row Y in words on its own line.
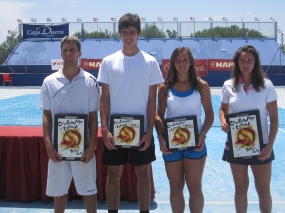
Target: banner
column 90, row 64
column 45, row 31
column 220, row 64
column 201, row 67
column 56, row 64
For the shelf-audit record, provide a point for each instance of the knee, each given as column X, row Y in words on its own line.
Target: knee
column 195, row 189
column 176, row 187
column 143, row 175
column 263, row 192
column 241, row 187
column 114, row 176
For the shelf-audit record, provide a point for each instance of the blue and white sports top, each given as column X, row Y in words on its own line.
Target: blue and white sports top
column 184, row 104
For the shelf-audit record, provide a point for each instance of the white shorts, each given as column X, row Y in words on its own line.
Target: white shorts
column 60, row 175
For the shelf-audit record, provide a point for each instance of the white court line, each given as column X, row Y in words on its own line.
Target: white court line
column 17, row 103
column 218, row 203
column 281, row 130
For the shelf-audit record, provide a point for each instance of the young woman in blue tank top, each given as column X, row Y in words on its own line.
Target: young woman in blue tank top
column 182, row 94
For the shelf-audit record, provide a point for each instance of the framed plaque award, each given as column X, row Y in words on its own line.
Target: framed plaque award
column 127, row 130
column 245, row 135
column 70, row 135
column 181, row 133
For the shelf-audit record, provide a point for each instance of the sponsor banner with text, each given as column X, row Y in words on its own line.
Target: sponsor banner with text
column 201, row 67
column 45, row 31
column 220, row 64
column 56, row 64
column 90, row 64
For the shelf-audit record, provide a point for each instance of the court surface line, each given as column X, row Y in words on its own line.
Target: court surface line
column 17, row 104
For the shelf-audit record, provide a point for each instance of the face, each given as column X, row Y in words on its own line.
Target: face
column 69, row 53
column 182, row 63
column 129, row 37
column 246, row 62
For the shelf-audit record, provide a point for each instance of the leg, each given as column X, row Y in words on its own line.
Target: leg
column 144, row 186
column 240, row 176
column 113, row 186
column 90, row 203
column 193, row 175
column 262, row 178
column 60, row 203
column 175, row 174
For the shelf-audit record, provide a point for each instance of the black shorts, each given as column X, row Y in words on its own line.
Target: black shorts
column 122, row 156
column 251, row 161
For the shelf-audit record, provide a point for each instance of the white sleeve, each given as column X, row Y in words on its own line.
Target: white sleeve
column 103, row 75
column 95, row 95
column 271, row 94
column 155, row 74
column 44, row 102
column 224, row 96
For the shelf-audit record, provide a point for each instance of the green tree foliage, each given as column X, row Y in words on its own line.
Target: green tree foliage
column 95, row 34
column 172, row 34
column 232, row 31
column 7, row 47
column 152, row 31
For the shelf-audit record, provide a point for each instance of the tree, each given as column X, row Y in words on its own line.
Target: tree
column 172, row 34
column 7, row 47
column 152, row 31
column 229, row 32
column 95, row 34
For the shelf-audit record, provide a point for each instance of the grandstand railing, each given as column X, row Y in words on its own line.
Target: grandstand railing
column 175, row 29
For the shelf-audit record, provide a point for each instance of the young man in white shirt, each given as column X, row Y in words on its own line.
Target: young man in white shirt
column 71, row 90
column 129, row 80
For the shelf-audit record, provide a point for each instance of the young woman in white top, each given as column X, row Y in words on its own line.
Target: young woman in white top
column 249, row 89
column 182, row 94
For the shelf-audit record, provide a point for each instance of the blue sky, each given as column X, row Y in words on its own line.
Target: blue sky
column 104, row 10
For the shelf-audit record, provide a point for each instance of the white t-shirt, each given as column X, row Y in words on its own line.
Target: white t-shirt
column 184, row 104
column 80, row 96
column 250, row 100
column 129, row 79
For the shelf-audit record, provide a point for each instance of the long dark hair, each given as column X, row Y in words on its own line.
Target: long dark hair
column 257, row 77
column 171, row 77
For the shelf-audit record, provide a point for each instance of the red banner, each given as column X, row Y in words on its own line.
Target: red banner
column 90, row 64
column 201, row 67
column 220, row 64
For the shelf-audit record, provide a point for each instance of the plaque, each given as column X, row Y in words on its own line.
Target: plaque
column 127, row 130
column 70, row 135
column 181, row 133
column 245, row 135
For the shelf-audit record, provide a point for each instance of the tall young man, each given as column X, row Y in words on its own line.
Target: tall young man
column 129, row 80
column 70, row 90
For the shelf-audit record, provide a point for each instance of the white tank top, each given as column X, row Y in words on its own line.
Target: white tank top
column 184, row 104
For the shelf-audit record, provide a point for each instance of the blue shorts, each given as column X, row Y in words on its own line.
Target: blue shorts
column 190, row 154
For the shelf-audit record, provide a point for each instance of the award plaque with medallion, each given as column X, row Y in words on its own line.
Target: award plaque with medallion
column 70, row 135
column 181, row 133
column 245, row 135
column 127, row 130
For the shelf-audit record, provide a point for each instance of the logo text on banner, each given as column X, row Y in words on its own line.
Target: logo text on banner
column 201, row 67
column 45, row 31
column 90, row 64
column 56, row 64
column 220, row 64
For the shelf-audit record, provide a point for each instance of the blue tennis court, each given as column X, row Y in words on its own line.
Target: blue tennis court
column 218, row 185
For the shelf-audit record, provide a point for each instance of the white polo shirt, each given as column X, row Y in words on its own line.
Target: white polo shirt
column 80, row 96
column 250, row 100
column 129, row 79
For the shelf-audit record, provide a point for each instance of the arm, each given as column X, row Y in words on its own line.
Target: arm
column 224, row 110
column 93, row 129
column 47, row 128
column 273, row 116
column 151, row 108
column 209, row 114
column 104, row 114
column 161, row 107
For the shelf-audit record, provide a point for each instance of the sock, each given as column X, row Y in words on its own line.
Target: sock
column 113, row 211
column 144, row 211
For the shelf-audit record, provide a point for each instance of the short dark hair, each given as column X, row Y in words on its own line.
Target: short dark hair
column 71, row 39
column 128, row 20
